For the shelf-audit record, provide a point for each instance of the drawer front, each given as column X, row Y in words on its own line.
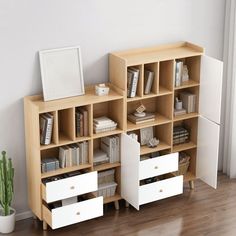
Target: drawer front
column 160, row 190
column 74, row 213
column 70, row 187
column 158, row 165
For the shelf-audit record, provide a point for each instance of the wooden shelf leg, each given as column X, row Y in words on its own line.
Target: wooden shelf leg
column 117, row 206
column 191, row 184
column 45, row 225
column 126, row 204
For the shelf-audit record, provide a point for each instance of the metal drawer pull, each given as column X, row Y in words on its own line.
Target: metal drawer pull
column 161, row 190
column 156, row 167
column 72, row 187
column 78, row 213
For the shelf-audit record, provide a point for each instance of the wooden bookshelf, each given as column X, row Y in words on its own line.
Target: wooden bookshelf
column 106, row 166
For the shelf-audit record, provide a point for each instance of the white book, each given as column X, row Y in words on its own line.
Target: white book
column 117, row 149
column 62, row 157
column 148, row 81
column 129, row 82
column 81, row 150
column 49, row 127
column 86, row 152
column 135, row 80
column 178, row 73
column 101, row 120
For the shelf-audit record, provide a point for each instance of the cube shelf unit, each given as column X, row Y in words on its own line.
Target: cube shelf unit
column 64, row 133
column 161, row 60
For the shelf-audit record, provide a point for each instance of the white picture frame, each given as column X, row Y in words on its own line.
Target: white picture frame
column 61, row 73
column 145, row 135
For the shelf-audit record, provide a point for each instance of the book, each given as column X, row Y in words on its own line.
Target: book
column 178, row 73
column 180, row 112
column 135, row 79
column 138, row 120
column 148, row 81
column 129, row 82
column 189, row 101
column 84, row 118
column 46, row 127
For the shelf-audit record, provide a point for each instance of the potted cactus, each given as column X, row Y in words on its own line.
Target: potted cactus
column 7, row 214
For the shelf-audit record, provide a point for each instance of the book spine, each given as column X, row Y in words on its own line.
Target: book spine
column 43, row 124
column 134, row 84
column 129, row 83
column 48, row 131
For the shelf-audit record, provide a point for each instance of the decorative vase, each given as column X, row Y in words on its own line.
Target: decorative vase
column 7, row 223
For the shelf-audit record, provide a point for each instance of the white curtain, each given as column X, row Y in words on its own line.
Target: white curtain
column 228, row 137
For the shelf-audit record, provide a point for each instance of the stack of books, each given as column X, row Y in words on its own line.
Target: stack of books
column 180, row 135
column 46, row 126
column 132, row 81
column 49, row 164
column 138, row 120
column 189, row 101
column 103, row 124
column 100, row 157
column 111, row 146
column 148, row 81
column 74, row 154
column 81, row 121
column 179, row 112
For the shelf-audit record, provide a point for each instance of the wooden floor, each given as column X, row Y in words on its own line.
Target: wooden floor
column 203, row 211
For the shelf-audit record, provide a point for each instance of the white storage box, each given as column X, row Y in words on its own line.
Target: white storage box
column 107, row 176
column 106, row 190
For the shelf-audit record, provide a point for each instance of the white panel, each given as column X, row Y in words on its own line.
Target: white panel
column 72, row 186
column 210, row 88
column 207, row 151
column 77, row 212
column 130, row 155
column 160, row 189
column 158, row 166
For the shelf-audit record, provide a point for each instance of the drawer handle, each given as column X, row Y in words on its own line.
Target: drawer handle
column 78, row 213
column 156, row 167
column 161, row 190
column 72, row 187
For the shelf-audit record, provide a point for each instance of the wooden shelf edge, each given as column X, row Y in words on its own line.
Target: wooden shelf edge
column 186, row 116
column 108, row 133
column 65, row 170
column 160, row 147
column 106, row 166
column 185, row 146
column 188, row 84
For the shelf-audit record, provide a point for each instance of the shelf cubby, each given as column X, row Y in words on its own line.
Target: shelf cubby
column 166, row 75
column 113, row 110
column 66, row 125
column 161, row 106
column 139, row 91
column 154, row 67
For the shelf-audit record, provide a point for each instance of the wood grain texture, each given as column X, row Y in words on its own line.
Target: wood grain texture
column 203, row 211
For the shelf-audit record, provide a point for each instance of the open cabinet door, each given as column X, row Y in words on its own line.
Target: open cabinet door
column 210, row 88
column 130, row 155
column 207, row 151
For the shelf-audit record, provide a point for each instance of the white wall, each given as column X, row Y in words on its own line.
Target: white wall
column 98, row 26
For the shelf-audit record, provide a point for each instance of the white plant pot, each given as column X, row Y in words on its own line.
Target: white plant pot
column 7, row 223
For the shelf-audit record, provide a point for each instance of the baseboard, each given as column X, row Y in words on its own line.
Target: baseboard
column 24, row 215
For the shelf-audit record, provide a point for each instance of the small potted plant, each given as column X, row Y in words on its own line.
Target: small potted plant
column 7, row 214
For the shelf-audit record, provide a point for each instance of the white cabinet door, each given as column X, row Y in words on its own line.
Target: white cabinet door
column 207, row 151
column 210, row 88
column 130, row 155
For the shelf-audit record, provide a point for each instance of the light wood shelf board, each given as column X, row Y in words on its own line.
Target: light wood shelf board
column 65, row 170
column 184, row 146
column 106, row 166
column 114, row 198
column 187, row 84
column 159, row 120
column 186, row 116
column 108, row 133
column 161, row 146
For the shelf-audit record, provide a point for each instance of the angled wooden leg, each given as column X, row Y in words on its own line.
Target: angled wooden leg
column 191, row 184
column 45, row 225
column 117, row 205
column 126, row 204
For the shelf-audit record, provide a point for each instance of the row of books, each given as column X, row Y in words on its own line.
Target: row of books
column 132, row 81
column 189, row 101
column 138, row 120
column 180, row 135
column 73, row 154
column 46, row 127
column 103, row 124
column 81, row 121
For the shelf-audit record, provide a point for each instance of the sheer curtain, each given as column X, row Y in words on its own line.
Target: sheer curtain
column 228, row 137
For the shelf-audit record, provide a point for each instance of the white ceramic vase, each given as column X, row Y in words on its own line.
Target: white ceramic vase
column 7, row 223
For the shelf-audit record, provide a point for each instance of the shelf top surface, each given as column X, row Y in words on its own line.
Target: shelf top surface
column 89, row 98
column 160, row 53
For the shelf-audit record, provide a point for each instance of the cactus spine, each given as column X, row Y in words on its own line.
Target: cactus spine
column 6, row 183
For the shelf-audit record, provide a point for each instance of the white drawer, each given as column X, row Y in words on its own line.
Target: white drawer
column 160, row 189
column 73, row 213
column 158, row 166
column 70, row 187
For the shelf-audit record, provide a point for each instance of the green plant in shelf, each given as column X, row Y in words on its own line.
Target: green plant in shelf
column 6, row 183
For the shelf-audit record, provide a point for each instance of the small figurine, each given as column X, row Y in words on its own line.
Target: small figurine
column 140, row 111
column 153, row 142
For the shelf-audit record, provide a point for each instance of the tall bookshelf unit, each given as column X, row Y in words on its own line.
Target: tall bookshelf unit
column 205, row 81
column 205, row 75
column 64, row 133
